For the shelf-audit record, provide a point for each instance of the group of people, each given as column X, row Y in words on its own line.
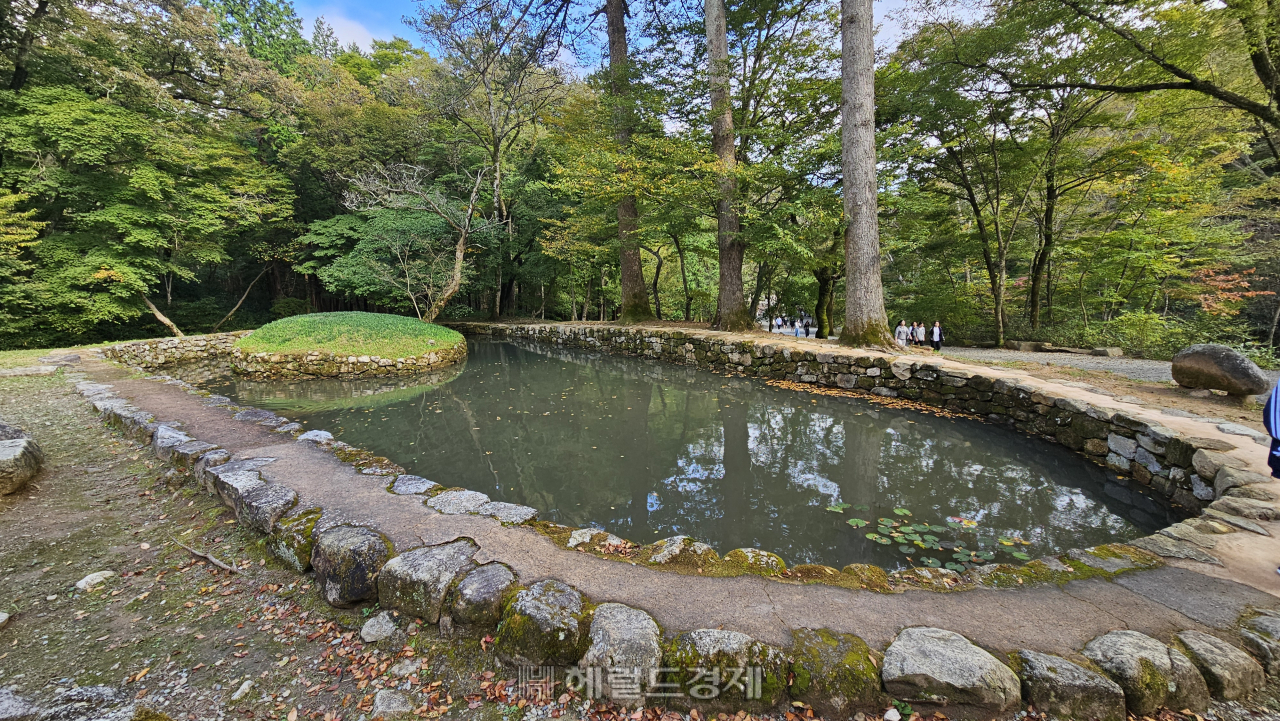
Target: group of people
column 799, row 325
column 919, row 334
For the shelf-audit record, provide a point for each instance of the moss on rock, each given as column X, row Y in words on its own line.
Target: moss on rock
column 872, row 578
column 751, row 673
column 753, row 560
column 546, row 623
column 292, row 539
column 835, row 673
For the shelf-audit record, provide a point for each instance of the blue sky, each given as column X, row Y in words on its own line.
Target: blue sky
column 361, row 21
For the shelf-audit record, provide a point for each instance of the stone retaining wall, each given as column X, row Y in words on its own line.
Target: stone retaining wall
column 157, row 352
column 160, row 352
column 316, row 364
column 1177, row 468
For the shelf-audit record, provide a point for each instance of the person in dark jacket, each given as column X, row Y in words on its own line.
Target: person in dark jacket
column 935, row 336
column 1271, row 419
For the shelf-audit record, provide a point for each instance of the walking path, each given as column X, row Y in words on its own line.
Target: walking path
column 1047, row 618
column 1136, row 368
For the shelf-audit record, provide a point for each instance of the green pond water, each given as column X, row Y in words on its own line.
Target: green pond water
column 648, row 450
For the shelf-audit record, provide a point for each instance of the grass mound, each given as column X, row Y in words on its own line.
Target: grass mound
column 350, row 333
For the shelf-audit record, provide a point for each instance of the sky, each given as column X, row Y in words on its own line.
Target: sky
column 360, row 21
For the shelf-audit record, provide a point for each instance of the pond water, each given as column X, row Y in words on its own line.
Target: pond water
column 648, row 450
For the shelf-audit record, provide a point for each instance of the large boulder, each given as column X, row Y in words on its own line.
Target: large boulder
column 623, row 637
column 20, row 460
column 1230, row 673
column 1151, row 674
column 347, row 560
column 416, row 582
column 1065, row 690
column 543, row 625
column 940, row 669
column 835, row 673
column 477, row 601
column 1207, row 365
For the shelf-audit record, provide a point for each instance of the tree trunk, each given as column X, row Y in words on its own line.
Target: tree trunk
column 865, row 322
column 731, row 313
column 684, row 279
column 227, row 317
column 1047, row 238
column 634, row 297
column 826, row 278
column 764, row 276
column 161, row 317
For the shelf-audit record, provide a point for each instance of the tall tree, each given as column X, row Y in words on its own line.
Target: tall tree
column 635, row 301
column 865, row 322
column 732, row 313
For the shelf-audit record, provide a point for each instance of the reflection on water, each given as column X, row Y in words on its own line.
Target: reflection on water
column 648, row 450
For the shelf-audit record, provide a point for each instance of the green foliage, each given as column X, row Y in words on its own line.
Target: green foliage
column 380, row 334
column 270, row 30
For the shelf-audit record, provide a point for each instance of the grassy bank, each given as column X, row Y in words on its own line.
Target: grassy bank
column 351, row 333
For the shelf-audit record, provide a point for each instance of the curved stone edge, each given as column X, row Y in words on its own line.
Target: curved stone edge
column 829, row 672
column 679, row 554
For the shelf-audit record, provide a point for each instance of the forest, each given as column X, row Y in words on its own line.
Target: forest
column 1074, row 171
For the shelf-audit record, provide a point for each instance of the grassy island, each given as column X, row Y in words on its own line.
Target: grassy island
column 351, row 334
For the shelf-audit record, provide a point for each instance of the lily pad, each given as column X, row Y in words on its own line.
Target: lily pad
column 838, row 507
column 932, row 539
column 985, row 555
column 902, row 512
column 879, row 539
column 931, row 562
column 956, row 567
column 861, row 507
column 1020, row 556
column 886, row 530
column 856, row 522
column 887, row 522
column 906, row 549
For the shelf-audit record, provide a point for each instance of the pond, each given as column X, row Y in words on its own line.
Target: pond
column 647, row 450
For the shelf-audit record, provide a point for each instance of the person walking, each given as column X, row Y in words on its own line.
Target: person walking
column 1271, row 419
column 901, row 332
column 919, row 333
column 935, row 335
column 807, row 326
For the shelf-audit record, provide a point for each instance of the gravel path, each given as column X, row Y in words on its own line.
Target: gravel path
column 1135, row 368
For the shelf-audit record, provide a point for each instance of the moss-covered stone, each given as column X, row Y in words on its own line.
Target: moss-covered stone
column 546, row 623
column 347, row 560
column 753, row 560
column 872, row 578
column 292, row 541
column 835, row 673
column 750, row 673
column 1151, row 674
column 679, row 553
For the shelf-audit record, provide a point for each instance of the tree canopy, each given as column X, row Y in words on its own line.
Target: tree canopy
column 1063, row 170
